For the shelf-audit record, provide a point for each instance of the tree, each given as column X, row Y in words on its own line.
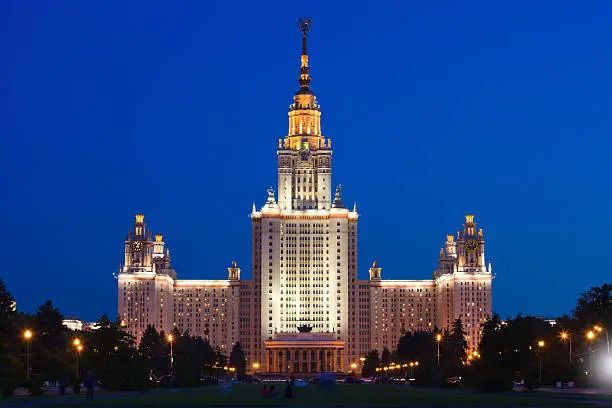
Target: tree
column 50, row 330
column 595, row 306
column 238, row 359
column 153, row 348
column 110, row 353
column 385, row 357
column 419, row 347
column 370, row 364
column 51, row 355
column 7, row 314
column 456, row 349
column 11, row 367
column 509, row 350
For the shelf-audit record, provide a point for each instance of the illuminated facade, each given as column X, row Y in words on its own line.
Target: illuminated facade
column 304, row 272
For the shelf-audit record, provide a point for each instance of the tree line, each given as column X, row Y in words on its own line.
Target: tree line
column 522, row 349
column 55, row 353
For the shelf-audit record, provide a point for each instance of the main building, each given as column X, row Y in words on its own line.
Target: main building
column 304, row 310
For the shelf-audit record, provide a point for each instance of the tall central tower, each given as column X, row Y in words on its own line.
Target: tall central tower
column 304, row 245
column 304, row 157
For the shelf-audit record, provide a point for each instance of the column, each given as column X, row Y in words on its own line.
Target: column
column 341, row 363
column 322, row 359
column 266, row 365
column 308, row 360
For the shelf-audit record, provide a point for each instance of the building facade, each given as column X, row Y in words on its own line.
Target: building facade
column 304, row 308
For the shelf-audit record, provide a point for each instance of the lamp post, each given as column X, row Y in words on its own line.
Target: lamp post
column 591, row 336
column 256, row 367
column 541, row 345
column 438, row 340
column 603, row 329
column 170, row 340
column 565, row 336
column 78, row 347
column 27, row 335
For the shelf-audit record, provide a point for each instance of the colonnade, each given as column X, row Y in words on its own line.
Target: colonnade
column 304, row 359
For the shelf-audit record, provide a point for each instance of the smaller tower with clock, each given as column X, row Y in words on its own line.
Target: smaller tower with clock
column 139, row 248
column 145, row 282
column 470, row 247
column 463, row 283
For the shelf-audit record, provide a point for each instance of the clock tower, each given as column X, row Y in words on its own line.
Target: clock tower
column 139, row 247
column 470, row 247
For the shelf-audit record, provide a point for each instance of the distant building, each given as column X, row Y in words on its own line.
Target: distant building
column 304, row 253
column 76, row 324
column 73, row 324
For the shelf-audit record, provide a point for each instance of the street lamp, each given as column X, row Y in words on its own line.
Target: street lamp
column 354, row 367
column 600, row 329
column 438, row 340
column 565, row 336
column 170, row 340
column 78, row 347
column 591, row 336
column 27, row 335
column 541, row 345
column 256, row 367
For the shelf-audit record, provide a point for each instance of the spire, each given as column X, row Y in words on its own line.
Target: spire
column 338, row 198
column 271, row 199
column 304, row 25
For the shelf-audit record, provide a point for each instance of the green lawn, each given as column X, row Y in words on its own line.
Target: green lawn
column 340, row 395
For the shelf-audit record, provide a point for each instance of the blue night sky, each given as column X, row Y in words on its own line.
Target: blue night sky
column 435, row 109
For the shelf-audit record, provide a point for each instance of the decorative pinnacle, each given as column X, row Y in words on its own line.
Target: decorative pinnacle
column 304, row 25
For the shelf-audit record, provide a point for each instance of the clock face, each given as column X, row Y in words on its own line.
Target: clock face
column 471, row 245
column 305, row 154
column 137, row 246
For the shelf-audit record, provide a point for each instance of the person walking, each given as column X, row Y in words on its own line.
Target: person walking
column 90, row 382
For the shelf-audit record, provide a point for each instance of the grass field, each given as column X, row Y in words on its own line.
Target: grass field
column 341, row 395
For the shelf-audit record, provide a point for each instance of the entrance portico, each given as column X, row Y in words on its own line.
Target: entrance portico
column 304, row 353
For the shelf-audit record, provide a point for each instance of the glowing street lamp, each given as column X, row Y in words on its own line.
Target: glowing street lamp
column 565, row 336
column 170, row 340
column 256, row 367
column 541, row 345
column 602, row 329
column 78, row 347
column 438, row 340
column 591, row 336
column 27, row 335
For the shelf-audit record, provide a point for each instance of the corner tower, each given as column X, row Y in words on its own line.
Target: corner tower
column 304, row 156
column 463, row 282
